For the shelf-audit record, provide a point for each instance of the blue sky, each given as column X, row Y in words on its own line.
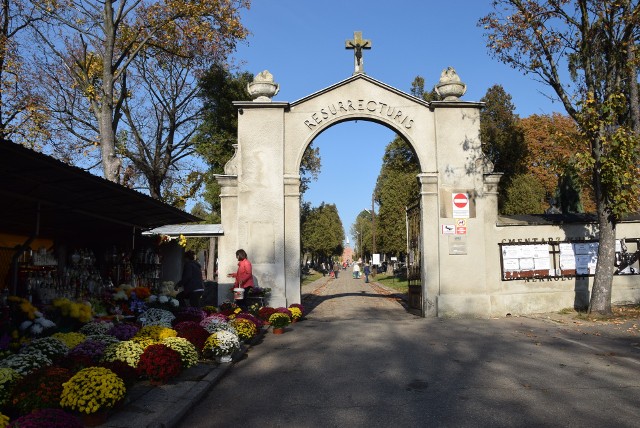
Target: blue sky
column 302, row 44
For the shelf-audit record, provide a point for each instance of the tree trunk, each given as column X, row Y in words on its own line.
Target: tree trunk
column 601, row 292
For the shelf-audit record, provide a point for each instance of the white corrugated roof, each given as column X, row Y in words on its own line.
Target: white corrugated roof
column 187, row 230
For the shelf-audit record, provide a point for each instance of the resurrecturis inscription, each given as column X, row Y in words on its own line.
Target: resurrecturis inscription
column 340, row 108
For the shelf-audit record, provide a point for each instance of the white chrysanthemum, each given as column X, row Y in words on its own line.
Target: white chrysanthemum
column 156, row 316
column 163, row 299
column 25, row 325
column 152, row 298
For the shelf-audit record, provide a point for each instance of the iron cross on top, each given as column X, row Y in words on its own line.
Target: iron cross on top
column 357, row 44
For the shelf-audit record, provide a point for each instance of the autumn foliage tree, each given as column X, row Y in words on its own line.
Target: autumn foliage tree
column 98, row 42
column 552, row 143
column 585, row 51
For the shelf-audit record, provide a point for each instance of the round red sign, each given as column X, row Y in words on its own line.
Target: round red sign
column 460, row 200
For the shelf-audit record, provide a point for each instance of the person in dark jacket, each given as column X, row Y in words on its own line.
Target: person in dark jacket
column 191, row 281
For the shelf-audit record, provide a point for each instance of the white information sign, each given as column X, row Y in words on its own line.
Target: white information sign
column 511, row 264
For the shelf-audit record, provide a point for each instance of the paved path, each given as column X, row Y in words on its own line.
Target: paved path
column 360, row 360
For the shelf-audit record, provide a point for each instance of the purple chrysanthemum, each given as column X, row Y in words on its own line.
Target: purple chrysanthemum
column 124, row 331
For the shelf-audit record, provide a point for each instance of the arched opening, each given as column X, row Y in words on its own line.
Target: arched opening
column 370, row 173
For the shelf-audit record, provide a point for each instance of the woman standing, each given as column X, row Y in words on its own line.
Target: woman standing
column 244, row 275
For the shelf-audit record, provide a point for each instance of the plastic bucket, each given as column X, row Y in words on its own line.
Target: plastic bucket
column 238, row 293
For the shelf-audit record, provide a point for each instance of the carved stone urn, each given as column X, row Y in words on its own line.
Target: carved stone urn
column 450, row 88
column 263, row 88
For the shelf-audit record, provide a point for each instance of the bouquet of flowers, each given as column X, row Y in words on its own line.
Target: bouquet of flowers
column 245, row 328
column 40, row 389
column 228, row 308
column 279, row 320
column 258, row 292
column 299, row 306
column 193, row 332
column 141, row 293
column 190, row 314
column 104, row 338
column 296, row 313
column 26, row 363
column 50, row 418
column 209, row 309
column 92, row 349
column 124, row 331
column 77, row 311
column 96, row 327
column 155, row 332
column 160, row 363
column 213, row 324
column 257, row 321
column 188, row 352
column 162, row 302
column 71, row 339
column 127, row 351
column 265, row 312
column 50, row 347
column 155, row 316
column 8, row 379
column 221, row 343
column 92, row 389
column 37, row 326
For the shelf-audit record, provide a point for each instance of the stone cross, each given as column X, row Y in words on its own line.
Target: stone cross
column 357, row 44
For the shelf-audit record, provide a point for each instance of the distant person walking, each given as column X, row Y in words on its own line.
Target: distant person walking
column 356, row 270
column 336, row 269
column 367, row 272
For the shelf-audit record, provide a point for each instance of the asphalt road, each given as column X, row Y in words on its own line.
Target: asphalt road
column 360, row 360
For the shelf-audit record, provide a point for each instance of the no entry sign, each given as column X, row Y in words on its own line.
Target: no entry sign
column 460, row 205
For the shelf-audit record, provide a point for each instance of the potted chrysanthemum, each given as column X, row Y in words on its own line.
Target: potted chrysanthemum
column 221, row 345
column 246, row 329
column 159, row 363
column 279, row 321
column 94, row 390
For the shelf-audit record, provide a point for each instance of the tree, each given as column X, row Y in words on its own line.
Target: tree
column 322, row 233
column 98, row 42
column 502, row 138
column 362, row 229
column 417, row 90
column 217, row 134
column 595, row 39
column 525, row 195
column 396, row 187
column 161, row 121
column 23, row 115
column 552, row 142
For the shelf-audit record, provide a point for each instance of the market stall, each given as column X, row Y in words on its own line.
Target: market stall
column 66, row 232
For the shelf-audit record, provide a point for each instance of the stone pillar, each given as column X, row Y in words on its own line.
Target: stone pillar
column 260, row 193
column 228, row 243
column 292, row 243
column 430, row 233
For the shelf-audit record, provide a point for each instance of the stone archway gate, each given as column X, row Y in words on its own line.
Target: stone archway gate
column 260, row 197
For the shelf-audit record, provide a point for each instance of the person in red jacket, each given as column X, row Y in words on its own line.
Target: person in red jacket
column 244, row 275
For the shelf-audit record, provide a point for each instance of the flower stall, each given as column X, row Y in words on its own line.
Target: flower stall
column 86, row 309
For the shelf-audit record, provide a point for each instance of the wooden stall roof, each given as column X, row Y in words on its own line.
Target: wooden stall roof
column 37, row 189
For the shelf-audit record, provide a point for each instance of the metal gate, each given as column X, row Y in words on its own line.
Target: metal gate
column 414, row 257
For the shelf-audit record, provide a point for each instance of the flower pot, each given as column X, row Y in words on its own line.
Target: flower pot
column 224, row 358
column 278, row 330
column 95, row 419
